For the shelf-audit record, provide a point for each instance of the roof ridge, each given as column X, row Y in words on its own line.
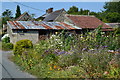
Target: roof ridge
column 79, row 15
column 21, row 15
column 58, row 10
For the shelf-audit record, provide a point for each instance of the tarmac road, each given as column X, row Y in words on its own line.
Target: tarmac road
column 9, row 69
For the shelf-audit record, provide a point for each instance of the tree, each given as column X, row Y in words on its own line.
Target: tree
column 72, row 10
column 81, row 11
column 112, row 10
column 18, row 12
column 7, row 13
column 113, row 17
column 85, row 12
column 112, row 7
column 6, row 16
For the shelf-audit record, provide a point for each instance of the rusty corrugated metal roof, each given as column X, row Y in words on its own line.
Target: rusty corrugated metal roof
column 39, row 25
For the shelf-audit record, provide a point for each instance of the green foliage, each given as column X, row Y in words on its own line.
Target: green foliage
column 86, row 57
column 95, row 63
column 50, row 58
column 67, row 60
column 110, row 15
column 112, row 12
column 4, row 20
column 6, row 16
column 7, row 46
column 99, row 35
column 112, row 7
column 113, row 17
column 117, row 30
column 18, row 12
column 73, row 9
column 7, row 13
column 21, row 45
column 6, row 40
column 114, row 72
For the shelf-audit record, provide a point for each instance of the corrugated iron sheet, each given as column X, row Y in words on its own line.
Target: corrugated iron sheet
column 39, row 25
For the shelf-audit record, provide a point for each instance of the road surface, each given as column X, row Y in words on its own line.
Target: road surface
column 9, row 69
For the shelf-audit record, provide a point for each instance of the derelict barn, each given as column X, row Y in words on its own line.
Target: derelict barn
column 36, row 30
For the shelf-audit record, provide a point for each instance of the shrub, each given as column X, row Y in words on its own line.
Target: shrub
column 21, row 45
column 7, row 46
column 6, row 40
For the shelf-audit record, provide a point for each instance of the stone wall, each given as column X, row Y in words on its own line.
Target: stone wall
column 19, row 35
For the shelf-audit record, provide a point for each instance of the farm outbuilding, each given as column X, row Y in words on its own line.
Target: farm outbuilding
column 86, row 22
column 36, row 30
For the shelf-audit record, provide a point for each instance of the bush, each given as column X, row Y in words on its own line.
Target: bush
column 6, row 40
column 21, row 45
column 7, row 46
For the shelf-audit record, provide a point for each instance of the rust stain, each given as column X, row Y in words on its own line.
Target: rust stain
column 15, row 26
column 59, row 27
column 68, row 26
column 41, row 25
column 46, row 26
column 21, row 26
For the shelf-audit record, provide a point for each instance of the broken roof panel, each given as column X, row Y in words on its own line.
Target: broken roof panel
column 39, row 25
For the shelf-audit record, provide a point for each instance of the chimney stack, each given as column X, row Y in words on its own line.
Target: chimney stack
column 50, row 10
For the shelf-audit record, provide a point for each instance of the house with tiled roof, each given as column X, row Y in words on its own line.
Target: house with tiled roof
column 54, row 15
column 86, row 22
column 48, row 11
column 50, row 15
column 24, row 17
column 83, row 21
column 54, row 21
